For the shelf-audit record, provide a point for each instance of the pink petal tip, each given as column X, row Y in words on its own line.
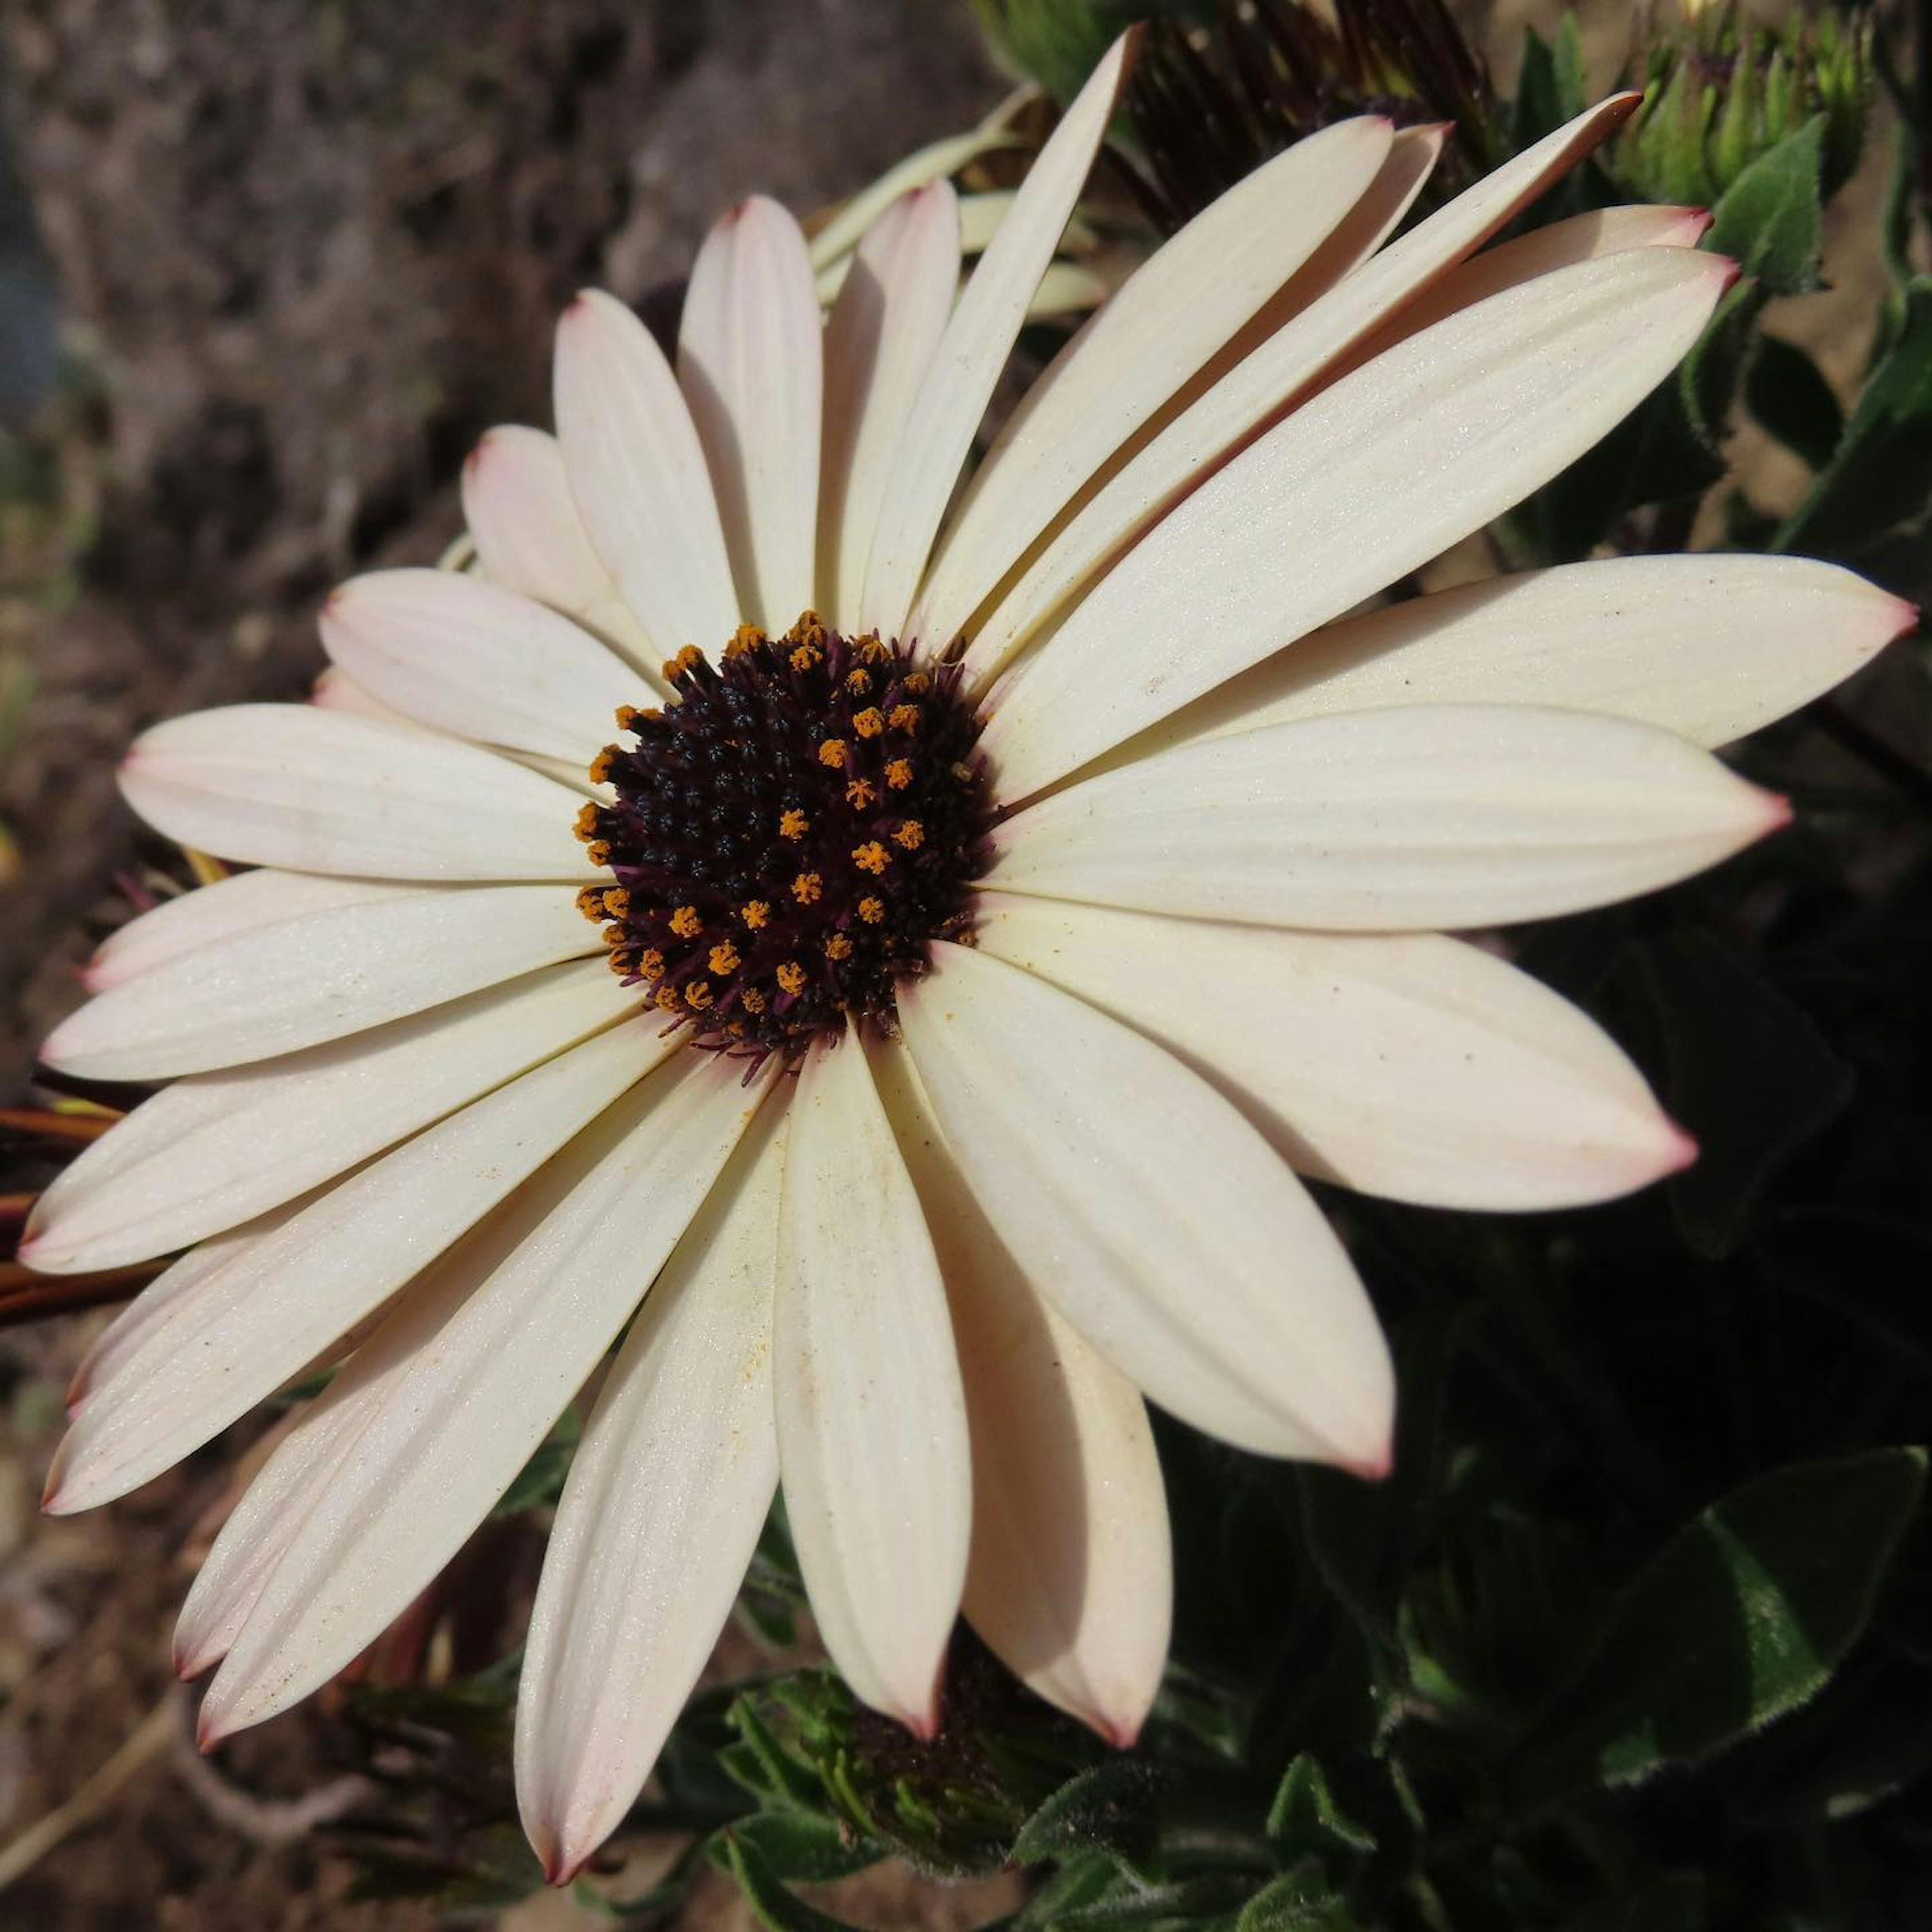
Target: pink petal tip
column 1372, row 1469
column 1778, row 811
column 1683, row 1150
column 1907, row 614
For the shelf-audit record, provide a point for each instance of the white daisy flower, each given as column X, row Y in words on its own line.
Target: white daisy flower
column 1036, row 917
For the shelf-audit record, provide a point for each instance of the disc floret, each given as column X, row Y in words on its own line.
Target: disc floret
column 789, row 834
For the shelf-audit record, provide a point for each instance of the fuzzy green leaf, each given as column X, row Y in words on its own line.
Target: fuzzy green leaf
column 1771, row 219
column 1114, row 1808
column 1743, row 1616
column 773, row 1905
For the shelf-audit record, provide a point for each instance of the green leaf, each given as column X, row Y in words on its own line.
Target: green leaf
column 1114, row 1808
column 1297, row 1901
column 1880, row 478
column 1742, row 1617
column 1304, row 1819
column 1059, row 42
column 1785, row 392
column 1771, row 219
column 1750, row 1077
column 805, row 1847
column 773, row 1905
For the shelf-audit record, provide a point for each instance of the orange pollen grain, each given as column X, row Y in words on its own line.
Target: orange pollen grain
column 755, row 912
column 686, row 922
column 806, row 887
column 899, row 774
column 905, row 718
column 909, row 835
column 791, row 976
column 871, row 910
column 869, row 722
column 724, row 958
column 838, row 947
column 792, row 824
column 871, row 856
column 832, row 753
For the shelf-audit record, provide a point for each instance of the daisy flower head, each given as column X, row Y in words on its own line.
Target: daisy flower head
column 882, row 960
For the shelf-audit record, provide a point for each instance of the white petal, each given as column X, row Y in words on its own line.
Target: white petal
column 890, row 313
column 335, row 690
column 1582, row 238
column 325, row 791
column 1154, row 1218
column 1279, row 370
column 580, row 1245
column 1186, row 301
column 528, row 536
column 1710, row 647
column 1429, row 816
column 667, row 1496
column 316, row 977
column 1070, row 1576
column 517, row 501
column 750, row 355
column 161, row 1301
column 1411, row 1065
column 243, row 903
column 214, row 1150
column 959, row 385
column 872, row 1421
column 477, row 660
column 281, row 1300
column 637, row 473
column 1374, row 477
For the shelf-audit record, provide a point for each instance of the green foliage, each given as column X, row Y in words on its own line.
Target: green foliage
column 1058, row 43
column 1742, row 1618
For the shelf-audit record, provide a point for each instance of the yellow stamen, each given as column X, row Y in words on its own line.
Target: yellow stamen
column 791, row 976
column 909, row 835
column 806, row 887
column 650, row 963
column 597, row 852
column 860, row 793
column 869, row 723
column 724, row 958
column 601, row 765
column 838, row 947
column 871, row 856
column 806, row 657
column 686, row 922
column 752, row 1000
column 832, row 753
column 746, row 637
column 698, row 995
column 792, row 823
column 754, row 912
column 905, row 718
column 585, row 825
column 871, row 910
column 918, row 682
column 858, row 682
column 899, row 774
column 617, row 901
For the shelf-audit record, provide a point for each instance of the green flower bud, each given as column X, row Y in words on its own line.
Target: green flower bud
column 1720, row 90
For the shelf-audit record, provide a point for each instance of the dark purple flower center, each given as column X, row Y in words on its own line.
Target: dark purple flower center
column 790, row 834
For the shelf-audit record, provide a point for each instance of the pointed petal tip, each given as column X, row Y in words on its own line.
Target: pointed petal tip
column 1697, row 221
column 211, row 1733
column 1905, row 615
column 1725, row 270
column 189, row 1661
column 1373, row 1468
column 1682, row 1151
column 1778, row 810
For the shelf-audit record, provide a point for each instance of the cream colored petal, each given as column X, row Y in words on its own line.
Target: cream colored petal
column 324, row 791
column 1184, row 303
column 667, row 1494
column 750, row 358
column 1374, row 477
column 1710, row 647
column 517, row 503
column 278, row 1301
column 890, row 313
column 1151, row 1214
column 470, row 658
column 1408, row 1065
column 1424, row 818
column 946, row 411
column 638, row 474
column 1279, row 370
column 217, row 1149
column 317, row 977
column 872, row 1421
column 579, row 1246
column 1070, row 1579
column 243, row 903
